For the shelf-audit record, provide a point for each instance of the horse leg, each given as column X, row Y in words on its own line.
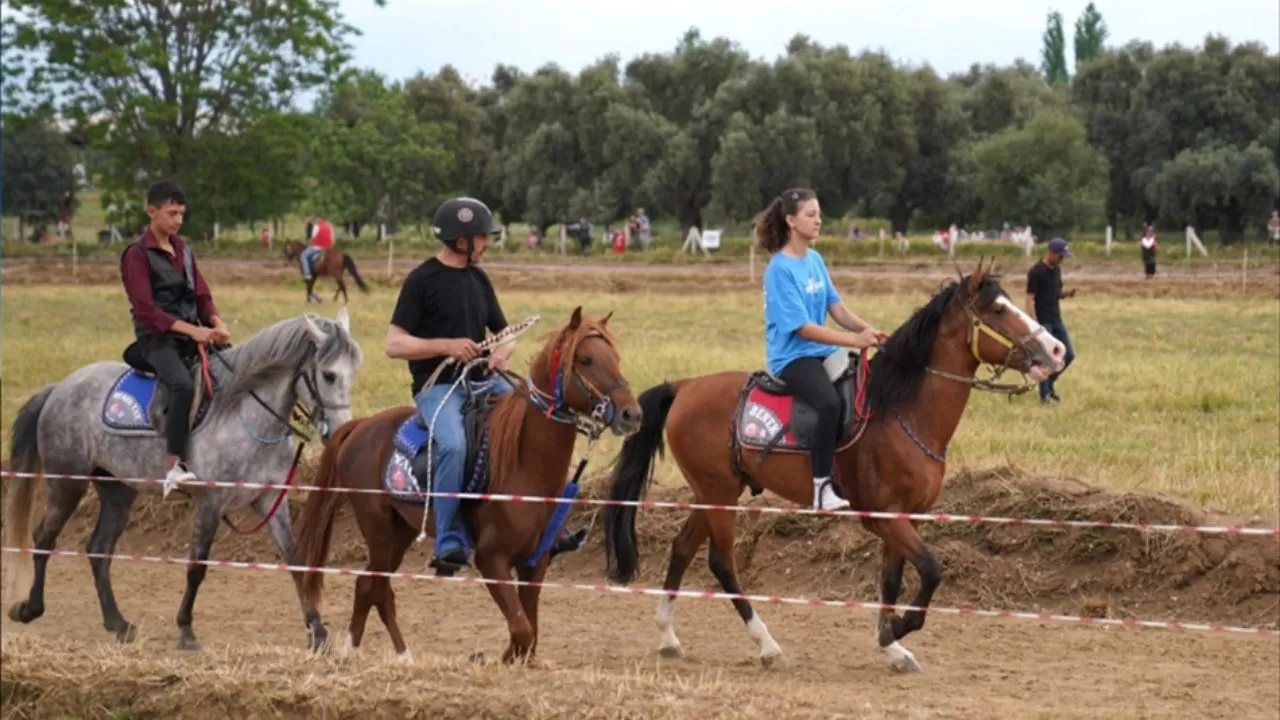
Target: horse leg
column 63, row 499
column 683, row 549
column 495, row 567
column 359, row 612
column 724, row 567
column 529, row 595
column 281, row 528
column 208, row 514
column 376, row 521
column 384, row 595
column 902, row 542
column 116, row 500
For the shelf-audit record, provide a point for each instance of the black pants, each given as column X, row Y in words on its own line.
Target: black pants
column 167, row 357
column 808, row 381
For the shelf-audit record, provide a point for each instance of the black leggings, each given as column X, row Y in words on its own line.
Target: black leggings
column 808, row 381
column 171, row 369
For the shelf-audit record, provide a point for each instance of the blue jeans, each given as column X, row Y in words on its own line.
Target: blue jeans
column 305, row 258
column 1059, row 331
column 451, row 452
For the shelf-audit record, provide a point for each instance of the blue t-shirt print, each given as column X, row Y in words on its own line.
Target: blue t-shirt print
column 796, row 291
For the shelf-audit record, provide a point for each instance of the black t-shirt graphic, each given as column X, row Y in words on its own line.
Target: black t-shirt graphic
column 441, row 302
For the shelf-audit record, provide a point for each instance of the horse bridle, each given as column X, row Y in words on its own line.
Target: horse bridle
column 977, row 328
column 555, row 407
column 302, row 419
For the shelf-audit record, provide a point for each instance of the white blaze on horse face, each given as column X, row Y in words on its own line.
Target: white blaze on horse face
column 1051, row 346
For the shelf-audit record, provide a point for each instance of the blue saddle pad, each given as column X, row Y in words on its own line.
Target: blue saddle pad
column 400, row 480
column 398, row 476
column 125, row 409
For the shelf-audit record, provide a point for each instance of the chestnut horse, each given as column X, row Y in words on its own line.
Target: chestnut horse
column 575, row 382
column 899, row 413
column 331, row 263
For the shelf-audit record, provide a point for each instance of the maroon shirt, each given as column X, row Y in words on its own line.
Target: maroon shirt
column 135, row 271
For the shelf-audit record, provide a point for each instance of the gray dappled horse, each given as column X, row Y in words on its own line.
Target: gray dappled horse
column 241, row 436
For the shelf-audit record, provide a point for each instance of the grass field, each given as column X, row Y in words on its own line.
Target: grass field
column 1166, row 395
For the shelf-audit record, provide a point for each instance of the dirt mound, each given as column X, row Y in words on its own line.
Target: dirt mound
column 1093, row 572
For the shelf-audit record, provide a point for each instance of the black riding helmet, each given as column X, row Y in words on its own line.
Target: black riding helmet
column 463, row 217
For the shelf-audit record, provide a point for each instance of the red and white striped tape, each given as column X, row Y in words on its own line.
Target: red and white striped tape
column 750, row 509
column 657, row 592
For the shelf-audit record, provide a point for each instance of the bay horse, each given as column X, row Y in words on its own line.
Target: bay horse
column 106, row 420
column 521, row 445
column 331, row 263
column 899, row 413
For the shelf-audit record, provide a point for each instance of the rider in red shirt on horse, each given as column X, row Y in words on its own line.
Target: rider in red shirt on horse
column 321, row 240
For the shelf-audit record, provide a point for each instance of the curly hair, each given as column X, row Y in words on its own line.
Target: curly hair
column 771, row 224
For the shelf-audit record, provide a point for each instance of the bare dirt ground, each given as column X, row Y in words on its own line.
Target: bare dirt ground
column 670, row 279
column 597, row 652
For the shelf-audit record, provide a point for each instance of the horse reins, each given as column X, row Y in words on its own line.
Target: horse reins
column 308, row 420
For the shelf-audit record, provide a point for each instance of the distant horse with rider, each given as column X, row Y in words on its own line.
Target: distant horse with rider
column 331, row 263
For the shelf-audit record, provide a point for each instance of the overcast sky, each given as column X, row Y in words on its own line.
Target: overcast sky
column 474, row 35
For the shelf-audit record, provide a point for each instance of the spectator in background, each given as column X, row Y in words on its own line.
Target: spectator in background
column 1149, row 248
column 1273, row 226
column 582, row 231
column 1044, row 290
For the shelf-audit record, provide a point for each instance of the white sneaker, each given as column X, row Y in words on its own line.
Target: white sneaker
column 824, row 496
column 176, row 475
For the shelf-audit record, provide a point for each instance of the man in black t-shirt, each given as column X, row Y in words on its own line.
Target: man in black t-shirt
column 445, row 306
column 1044, row 290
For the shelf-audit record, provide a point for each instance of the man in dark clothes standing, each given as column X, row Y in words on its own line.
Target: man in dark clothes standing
column 170, row 302
column 1044, row 290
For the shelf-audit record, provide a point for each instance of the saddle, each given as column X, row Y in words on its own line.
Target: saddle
column 138, row 403
column 407, row 467
column 769, row 419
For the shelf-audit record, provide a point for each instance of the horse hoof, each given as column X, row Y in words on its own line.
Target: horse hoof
column 901, row 659
column 318, row 640
column 188, row 643
column 771, row 661
column 671, row 652
column 127, row 634
column 22, row 613
column 907, row 666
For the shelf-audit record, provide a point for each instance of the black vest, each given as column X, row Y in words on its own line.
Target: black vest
column 172, row 290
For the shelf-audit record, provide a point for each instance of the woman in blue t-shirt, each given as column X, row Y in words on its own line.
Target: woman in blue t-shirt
column 798, row 296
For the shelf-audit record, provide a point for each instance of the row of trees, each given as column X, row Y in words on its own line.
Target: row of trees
column 202, row 92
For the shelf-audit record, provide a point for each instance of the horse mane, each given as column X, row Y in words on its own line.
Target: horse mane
column 279, row 348
column 507, row 421
column 898, row 369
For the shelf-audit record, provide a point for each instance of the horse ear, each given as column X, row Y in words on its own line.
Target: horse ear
column 975, row 278
column 344, row 319
column 316, row 333
column 605, row 320
column 576, row 319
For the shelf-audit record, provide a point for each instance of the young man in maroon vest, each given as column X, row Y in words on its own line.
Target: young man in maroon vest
column 172, row 311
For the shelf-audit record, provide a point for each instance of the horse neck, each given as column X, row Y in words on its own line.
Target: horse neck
column 546, row 446
column 936, row 411
column 276, row 390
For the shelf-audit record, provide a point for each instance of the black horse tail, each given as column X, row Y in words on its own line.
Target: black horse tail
column 24, row 457
column 633, row 470
column 350, row 266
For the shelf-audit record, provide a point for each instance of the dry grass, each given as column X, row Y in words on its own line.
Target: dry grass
column 1166, row 394
column 46, row 678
